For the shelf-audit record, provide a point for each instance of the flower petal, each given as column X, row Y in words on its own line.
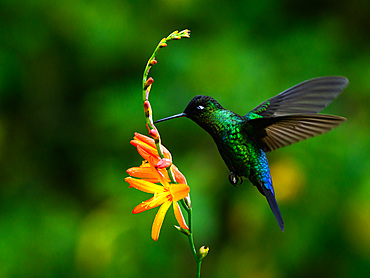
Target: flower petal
column 146, row 151
column 145, row 139
column 143, row 172
column 145, row 186
column 179, row 216
column 162, row 179
column 158, row 220
column 179, row 191
column 179, row 177
column 136, row 143
column 141, row 139
column 166, row 153
column 149, row 204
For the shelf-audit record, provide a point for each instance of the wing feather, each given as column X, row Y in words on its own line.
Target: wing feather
column 308, row 97
column 274, row 133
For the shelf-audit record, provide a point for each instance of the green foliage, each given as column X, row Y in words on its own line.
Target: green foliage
column 70, row 101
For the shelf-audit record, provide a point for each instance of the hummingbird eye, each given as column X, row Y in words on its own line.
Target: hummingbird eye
column 200, row 107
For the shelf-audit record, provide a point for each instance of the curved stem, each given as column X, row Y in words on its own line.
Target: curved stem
column 191, row 239
column 146, row 86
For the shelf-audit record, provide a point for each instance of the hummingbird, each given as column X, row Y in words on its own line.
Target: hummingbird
column 282, row 120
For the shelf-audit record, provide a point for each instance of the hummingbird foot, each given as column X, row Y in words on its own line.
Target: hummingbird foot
column 234, row 179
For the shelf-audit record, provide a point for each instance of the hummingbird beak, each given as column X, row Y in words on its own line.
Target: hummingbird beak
column 172, row 117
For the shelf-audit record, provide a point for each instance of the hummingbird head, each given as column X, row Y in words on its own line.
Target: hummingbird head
column 199, row 109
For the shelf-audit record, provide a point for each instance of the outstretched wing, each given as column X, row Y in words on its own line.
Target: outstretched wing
column 274, row 133
column 308, row 97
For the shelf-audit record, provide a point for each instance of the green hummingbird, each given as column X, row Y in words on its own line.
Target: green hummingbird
column 282, row 120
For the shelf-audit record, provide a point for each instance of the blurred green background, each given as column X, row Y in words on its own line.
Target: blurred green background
column 70, row 101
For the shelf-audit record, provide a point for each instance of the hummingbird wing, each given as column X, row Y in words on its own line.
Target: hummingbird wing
column 277, row 132
column 308, row 97
column 290, row 116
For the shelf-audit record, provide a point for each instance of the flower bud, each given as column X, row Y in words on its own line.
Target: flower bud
column 163, row 163
column 174, row 33
column 148, row 83
column 153, row 62
column 154, row 133
column 203, row 252
column 147, row 109
column 188, row 201
column 186, row 33
column 184, row 231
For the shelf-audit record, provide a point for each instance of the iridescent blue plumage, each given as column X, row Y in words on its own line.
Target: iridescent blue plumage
column 280, row 121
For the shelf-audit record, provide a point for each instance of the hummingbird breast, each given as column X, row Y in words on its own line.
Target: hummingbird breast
column 235, row 148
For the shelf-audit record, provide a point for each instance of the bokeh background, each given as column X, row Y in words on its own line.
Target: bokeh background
column 70, row 101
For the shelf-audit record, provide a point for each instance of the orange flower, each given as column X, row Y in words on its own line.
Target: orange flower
column 145, row 172
column 149, row 174
column 147, row 149
column 164, row 195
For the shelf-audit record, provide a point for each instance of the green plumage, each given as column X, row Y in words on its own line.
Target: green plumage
column 225, row 127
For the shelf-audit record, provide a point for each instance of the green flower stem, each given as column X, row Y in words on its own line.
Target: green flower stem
column 147, row 85
column 197, row 258
column 199, row 265
column 163, row 43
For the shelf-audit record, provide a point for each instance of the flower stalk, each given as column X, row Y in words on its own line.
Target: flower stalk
column 158, row 175
column 147, row 85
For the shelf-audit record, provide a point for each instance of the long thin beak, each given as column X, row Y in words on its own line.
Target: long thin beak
column 172, row 117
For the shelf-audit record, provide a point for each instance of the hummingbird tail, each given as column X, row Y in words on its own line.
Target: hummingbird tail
column 274, row 206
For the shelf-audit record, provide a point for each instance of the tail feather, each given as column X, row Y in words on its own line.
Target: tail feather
column 273, row 205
